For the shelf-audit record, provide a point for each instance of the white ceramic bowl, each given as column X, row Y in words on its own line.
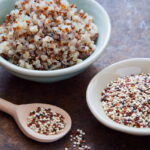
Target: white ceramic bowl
column 99, row 82
column 104, row 28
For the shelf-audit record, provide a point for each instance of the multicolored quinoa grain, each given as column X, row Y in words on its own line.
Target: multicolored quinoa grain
column 47, row 35
column 45, row 121
column 77, row 141
column 127, row 100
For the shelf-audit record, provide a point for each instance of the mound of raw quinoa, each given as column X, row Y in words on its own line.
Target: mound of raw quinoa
column 47, row 35
column 127, row 100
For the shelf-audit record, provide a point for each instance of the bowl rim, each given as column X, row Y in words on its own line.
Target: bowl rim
column 115, row 126
column 14, row 68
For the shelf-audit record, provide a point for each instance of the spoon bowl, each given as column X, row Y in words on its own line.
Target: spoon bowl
column 21, row 112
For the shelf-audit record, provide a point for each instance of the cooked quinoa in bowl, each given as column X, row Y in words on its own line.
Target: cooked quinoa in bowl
column 47, row 35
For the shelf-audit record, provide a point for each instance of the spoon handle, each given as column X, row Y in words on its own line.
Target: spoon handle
column 7, row 107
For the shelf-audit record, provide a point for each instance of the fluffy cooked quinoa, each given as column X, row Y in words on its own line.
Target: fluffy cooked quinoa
column 47, row 35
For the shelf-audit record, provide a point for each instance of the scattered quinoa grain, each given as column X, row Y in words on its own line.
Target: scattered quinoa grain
column 77, row 141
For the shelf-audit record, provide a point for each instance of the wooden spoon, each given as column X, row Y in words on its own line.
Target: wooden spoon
column 21, row 112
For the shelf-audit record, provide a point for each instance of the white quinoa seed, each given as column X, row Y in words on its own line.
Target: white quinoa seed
column 47, row 35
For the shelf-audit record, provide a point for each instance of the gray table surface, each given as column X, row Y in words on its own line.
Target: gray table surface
column 130, row 38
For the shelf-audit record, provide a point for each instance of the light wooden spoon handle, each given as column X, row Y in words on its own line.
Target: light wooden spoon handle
column 7, row 107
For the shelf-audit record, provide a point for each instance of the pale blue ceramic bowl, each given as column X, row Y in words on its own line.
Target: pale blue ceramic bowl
column 101, row 19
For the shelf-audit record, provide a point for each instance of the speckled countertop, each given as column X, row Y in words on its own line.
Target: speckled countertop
column 130, row 38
